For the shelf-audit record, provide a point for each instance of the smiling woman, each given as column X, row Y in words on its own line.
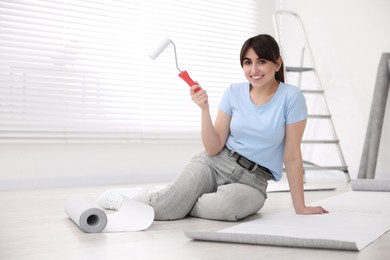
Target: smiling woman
column 261, row 73
column 79, row 69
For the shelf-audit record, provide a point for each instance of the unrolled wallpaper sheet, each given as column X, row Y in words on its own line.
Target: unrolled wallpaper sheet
column 283, row 187
column 132, row 216
column 353, row 223
column 370, row 185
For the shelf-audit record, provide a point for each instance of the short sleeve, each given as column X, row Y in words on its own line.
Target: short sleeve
column 225, row 105
column 296, row 108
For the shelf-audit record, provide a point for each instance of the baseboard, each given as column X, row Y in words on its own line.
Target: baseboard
column 63, row 182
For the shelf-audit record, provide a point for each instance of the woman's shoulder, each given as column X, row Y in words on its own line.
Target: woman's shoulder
column 289, row 91
column 289, row 88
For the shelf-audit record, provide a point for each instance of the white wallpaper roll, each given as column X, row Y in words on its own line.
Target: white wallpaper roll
column 132, row 216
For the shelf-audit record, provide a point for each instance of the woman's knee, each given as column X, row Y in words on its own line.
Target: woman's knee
column 231, row 202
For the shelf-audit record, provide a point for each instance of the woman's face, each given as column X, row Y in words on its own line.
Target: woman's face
column 259, row 72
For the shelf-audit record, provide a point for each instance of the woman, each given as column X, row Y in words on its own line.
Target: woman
column 259, row 125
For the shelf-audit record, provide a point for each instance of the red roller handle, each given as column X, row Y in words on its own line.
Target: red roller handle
column 184, row 76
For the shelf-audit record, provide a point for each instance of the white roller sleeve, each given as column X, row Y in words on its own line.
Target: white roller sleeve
column 159, row 48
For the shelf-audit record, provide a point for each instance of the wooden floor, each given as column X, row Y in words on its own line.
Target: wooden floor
column 33, row 225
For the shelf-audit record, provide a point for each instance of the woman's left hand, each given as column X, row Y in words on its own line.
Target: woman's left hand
column 312, row 210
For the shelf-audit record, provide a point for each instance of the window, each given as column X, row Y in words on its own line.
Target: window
column 79, row 69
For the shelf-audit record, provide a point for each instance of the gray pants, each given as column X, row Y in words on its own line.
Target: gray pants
column 212, row 188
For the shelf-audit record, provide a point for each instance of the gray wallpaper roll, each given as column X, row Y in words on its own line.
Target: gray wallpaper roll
column 369, row 157
column 370, row 185
column 87, row 216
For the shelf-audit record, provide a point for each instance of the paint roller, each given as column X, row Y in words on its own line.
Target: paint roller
column 183, row 74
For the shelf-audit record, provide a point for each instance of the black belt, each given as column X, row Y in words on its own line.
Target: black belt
column 248, row 164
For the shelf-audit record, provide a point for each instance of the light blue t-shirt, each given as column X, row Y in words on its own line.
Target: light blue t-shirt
column 257, row 132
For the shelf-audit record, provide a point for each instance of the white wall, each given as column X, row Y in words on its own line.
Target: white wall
column 347, row 38
column 55, row 165
column 66, row 164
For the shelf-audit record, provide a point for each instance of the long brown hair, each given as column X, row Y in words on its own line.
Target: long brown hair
column 265, row 47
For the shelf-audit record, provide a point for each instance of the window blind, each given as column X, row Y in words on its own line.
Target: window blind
column 79, row 69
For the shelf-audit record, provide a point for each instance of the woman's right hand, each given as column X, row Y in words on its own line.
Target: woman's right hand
column 200, row 97
column 213, row 137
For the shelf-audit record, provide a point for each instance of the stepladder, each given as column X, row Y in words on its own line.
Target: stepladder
column 321, row 148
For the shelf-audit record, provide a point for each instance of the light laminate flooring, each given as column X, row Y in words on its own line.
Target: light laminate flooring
column 33, row 225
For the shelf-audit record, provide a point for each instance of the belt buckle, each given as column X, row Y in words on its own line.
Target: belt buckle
column 248, row 167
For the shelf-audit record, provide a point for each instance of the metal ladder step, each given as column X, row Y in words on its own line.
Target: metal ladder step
column 321, row 168
column 319, row 116
column 320, row 141
column 298, row 69
column 312, row 91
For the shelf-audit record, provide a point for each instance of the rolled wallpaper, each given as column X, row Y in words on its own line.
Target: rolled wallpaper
column 370, row 185
column 132, row 216
column 370, row 152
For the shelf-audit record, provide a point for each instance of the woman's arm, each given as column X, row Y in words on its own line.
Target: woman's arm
column 213, row 136
column 294, row 168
